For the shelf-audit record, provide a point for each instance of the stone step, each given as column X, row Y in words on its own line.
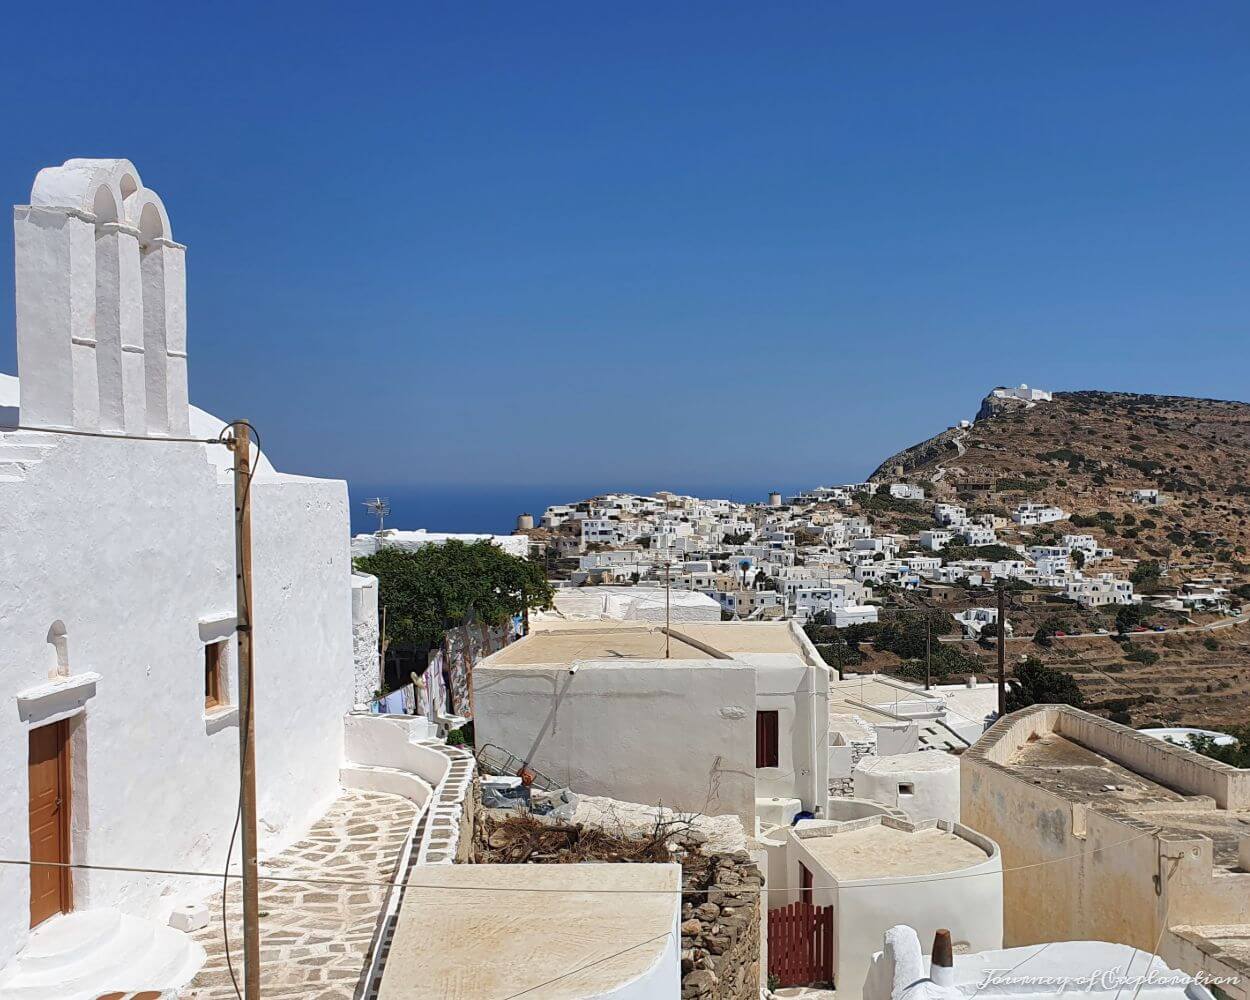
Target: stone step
column 80, row 956
column 10, row 452
column 60, row 942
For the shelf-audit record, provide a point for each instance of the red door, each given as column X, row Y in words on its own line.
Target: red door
column 48, row 780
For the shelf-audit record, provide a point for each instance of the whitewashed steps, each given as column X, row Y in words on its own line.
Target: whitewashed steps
column 19, row 450
column 79, row 956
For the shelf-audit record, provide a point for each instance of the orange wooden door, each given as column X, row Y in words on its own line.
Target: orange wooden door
column 48, row 775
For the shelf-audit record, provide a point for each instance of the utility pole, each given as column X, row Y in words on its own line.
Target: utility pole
column 241, row 447
column 668, row 624
column 1002, row 650
column 928, row 651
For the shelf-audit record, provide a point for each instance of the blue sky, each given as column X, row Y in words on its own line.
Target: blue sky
column 711, row 243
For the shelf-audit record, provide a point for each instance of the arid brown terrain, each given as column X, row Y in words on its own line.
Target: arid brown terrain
column 1086, row 452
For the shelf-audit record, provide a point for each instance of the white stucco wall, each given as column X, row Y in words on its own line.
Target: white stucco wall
column 970, row 906
column 129, row 545
column 366, row 662
column 799, row 692
column 662, row 981
column 676, row 732
column 924, row 784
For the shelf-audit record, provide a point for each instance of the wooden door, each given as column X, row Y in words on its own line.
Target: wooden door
column 48, row 777
column 800, row 944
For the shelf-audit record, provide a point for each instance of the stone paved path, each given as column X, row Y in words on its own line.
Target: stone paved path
column 314, row 938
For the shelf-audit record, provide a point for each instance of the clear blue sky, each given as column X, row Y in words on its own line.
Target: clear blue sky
column 502, row 243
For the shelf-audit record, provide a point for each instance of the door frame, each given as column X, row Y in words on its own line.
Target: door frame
column 64, row 810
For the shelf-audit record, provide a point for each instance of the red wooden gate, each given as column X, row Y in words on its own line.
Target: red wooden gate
column 800, row 944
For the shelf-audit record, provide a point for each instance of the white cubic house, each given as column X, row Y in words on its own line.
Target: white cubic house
column 718, row 718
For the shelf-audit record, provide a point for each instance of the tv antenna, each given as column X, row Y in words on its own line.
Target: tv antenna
column 379, row 507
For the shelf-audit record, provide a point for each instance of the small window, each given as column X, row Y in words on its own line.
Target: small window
column 766, row 739
column 906, row 788
column 214, row 693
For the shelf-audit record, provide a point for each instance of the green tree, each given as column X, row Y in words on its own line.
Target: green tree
column 1129, row 617
column 1038, row 684
column 1145, row 575
column 1236, row 754
column 430, row 590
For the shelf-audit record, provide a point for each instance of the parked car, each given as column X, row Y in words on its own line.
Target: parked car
column 1140, row 628
column 1102, row 631
column 1161, row 628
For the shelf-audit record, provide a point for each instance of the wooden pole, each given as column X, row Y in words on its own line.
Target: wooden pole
column 1002, row 650
column 247, row 726
column 928, row 651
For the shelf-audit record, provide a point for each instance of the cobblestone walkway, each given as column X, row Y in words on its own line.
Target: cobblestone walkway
column 314, row 938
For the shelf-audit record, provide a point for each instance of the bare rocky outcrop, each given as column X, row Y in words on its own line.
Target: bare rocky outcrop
column 927, row 453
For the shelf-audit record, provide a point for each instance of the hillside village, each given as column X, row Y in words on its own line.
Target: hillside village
column 848, row 560
column 647, row 747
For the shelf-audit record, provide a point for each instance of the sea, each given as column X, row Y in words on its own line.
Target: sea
column 494, row 509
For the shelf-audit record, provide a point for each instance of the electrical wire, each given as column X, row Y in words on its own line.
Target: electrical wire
column 114, row 437
column 588, row 965
column 408, row 884
column 1163, row 926
column 246, row 715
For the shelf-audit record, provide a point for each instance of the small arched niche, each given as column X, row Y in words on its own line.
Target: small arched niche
column 105, row 205
column 58, row 639
column 151, row 225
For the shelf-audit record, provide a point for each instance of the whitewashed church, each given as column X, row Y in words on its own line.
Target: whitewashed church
column 119, row 717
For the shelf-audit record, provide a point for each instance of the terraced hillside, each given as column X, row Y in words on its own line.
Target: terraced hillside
column 1087, row 452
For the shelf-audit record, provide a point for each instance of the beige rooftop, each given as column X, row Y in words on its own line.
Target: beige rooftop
column 563, row 641
column 887, row 851
column 1081, row 774
column 482, row 933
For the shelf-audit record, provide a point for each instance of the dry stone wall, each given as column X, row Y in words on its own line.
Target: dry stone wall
column 720, row 930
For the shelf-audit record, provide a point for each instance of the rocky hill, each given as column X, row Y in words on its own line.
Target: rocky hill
column 1087, row 451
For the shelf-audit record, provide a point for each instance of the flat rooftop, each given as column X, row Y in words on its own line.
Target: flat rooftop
column 480, row 935
column 865, row 688
column 743, row 637
column 880, row 851
column 594, row 641
column 1084, row 775
column 564, row 641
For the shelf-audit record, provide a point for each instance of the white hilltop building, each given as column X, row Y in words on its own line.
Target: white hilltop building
column 118, row 624
column 1025, row 393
